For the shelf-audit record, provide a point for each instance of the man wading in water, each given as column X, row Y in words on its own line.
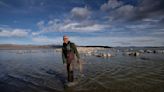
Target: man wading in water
column 70, row 57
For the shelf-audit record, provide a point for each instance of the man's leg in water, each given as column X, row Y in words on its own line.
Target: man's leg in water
column 70, row 72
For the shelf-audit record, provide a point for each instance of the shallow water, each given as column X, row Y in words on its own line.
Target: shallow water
column 42, row 71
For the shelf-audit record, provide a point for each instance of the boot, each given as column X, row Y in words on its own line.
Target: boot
column 71, row 76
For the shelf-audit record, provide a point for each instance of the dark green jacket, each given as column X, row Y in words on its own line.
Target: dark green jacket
column 72, row 49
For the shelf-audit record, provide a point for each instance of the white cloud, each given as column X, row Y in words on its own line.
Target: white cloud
column 119, row 11
column 158, row 32
column 46, row 40
column 8, row 32
column 111, row 4
column 37, row 33
column 52, row 25
column 118, row 41
column 139, row 26
column 80, row 12
column 150, row 20
column 122, row 13
column 41, row 39
column 144, row 9
column 82, row 27
column 40, row 24
column 126, row 10
column 70, row 26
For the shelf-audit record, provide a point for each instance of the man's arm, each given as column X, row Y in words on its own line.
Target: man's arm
column 63, row 57
column 75, row 50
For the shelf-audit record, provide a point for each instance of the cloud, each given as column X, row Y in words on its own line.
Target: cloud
column 119, row 10
column 149, row 9
column 40, row 24
column 139, row 26
column 158, row 33
column 46, row 40
column 150, row 6
column 125, row 11
column 82, row 27
column 122, row 13
column 80, row 13
column 70, row 26
column 4, row 4
column 150, row 20
column 118, row 41
column 41, row 39
column 52, row 25
column 111, row 4
column 37, row 33
column 41, row 27
column 8, row 32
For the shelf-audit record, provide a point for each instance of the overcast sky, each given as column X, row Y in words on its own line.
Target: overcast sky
column 86, row 22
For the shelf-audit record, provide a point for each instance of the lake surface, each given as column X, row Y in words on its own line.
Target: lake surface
column 42, row 70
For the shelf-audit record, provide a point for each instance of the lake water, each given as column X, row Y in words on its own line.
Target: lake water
column 42, row 70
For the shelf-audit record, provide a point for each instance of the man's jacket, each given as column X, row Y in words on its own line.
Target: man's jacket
column 69, row 47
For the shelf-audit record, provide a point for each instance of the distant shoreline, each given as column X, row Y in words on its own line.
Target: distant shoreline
column 17, row 46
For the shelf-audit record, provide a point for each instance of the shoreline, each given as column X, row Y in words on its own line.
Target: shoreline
column 19, row 47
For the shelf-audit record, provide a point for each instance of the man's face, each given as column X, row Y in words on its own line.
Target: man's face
column 65, row 40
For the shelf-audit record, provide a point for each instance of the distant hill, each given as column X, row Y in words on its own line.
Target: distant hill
column 97, row 46
column 16, row 46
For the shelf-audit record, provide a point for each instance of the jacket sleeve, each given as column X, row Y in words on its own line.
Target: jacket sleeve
column 63, row 57
column 75, row 50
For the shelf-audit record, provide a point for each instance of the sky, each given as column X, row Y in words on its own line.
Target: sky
column 86, row 22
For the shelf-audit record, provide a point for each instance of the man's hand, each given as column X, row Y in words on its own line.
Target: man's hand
column 65, row 64
column 78, row 61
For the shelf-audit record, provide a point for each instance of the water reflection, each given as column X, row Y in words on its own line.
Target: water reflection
column 42, row 70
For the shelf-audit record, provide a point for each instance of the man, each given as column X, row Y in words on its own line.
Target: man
column 69, row 53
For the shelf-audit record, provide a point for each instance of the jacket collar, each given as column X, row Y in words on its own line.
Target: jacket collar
column 67, row 43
